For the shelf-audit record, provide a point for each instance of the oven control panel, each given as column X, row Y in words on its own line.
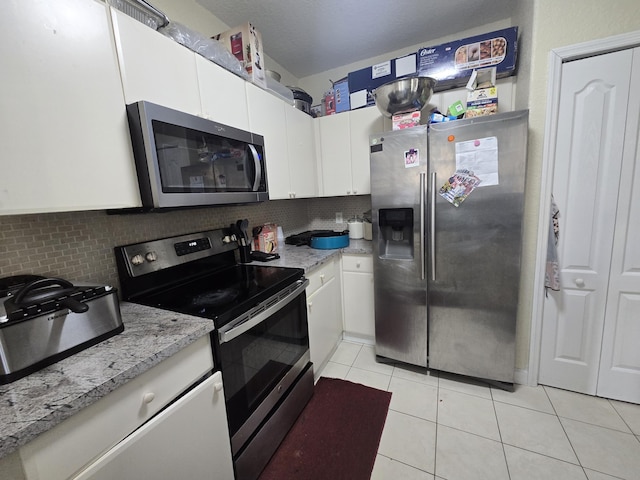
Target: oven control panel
column 191, row 246
column 147, row 257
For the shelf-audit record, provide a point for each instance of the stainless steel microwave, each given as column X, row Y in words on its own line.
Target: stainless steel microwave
column 186, row 161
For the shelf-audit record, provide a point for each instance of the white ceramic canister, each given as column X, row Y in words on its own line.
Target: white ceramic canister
column 356, row 229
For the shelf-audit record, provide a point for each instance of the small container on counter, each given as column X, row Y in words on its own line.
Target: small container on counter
column 367, row 230
column 356, row 229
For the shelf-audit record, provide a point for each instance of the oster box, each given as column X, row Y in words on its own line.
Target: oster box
column 245, row 43
column 451, row 64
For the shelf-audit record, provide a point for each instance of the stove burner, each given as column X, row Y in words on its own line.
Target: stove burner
column 215, row 298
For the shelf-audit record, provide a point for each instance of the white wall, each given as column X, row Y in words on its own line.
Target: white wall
column 555, row 24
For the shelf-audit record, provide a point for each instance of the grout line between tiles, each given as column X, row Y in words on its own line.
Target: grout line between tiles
column 435, row 446
column 504, row 452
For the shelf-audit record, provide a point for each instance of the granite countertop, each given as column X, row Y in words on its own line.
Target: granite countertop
column 311, row 258
column 38, row 402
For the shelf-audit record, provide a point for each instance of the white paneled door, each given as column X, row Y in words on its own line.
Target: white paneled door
column 591, row 327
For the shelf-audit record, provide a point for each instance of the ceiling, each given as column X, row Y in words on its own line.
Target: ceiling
column 307, row 37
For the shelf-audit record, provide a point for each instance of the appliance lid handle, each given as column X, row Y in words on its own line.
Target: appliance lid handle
column 246, row 323
column 422, row 212
column 258, row 165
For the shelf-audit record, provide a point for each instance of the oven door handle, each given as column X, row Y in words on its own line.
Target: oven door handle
column 235, row 329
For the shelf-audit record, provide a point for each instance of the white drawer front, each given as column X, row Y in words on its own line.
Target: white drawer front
column 320, row 276
column 357, row 263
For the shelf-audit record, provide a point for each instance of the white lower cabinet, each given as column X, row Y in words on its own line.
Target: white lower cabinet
column 147, row 428
column 325, row 314
column 187, row 440
column 357, row 297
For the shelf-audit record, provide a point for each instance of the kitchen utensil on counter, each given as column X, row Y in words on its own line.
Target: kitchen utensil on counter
column 43, row 320
column 404, row 95
column 356, row 228
column 330, row 240
column 322, row 239
column 242, row 227
column 264, row 257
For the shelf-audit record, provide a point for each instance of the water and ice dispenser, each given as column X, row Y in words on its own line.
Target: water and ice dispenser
column 396, row 233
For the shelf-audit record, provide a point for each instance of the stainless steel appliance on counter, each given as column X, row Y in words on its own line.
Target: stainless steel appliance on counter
column 261, row 340
column 446, row 277
column 44, row 320
column 186, row 161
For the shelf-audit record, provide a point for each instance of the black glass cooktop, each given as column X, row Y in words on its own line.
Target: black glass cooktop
column 226, row 294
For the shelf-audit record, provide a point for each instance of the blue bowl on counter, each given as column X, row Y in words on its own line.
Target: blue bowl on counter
column 330, row 240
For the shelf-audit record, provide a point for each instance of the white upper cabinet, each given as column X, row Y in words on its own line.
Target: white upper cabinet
column 267, row 118
column 344, row 150
column 335, row 154
column 159, row 70
column 362, row 123
column 289, row 139
column 222, row 94
column 155, row 68
column 65, row 138
column 302, row 154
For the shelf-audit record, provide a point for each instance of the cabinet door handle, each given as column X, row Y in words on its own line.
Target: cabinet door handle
column 309, row 304
column 358, row 265
column 580, row 282
column 148, row 397
column 355, row 192
column 322, row 278
column 348, row 192
column 217, row 386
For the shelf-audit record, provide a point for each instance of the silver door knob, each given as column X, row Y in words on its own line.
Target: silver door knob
column 580, row 282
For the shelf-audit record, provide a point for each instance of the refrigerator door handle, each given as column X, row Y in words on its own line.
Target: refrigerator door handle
column 423, row 194
column 432, row 219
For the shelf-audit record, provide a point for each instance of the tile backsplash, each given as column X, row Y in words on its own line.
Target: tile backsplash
column 78, row 246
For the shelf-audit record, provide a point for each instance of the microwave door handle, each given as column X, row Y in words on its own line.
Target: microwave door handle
column 258, row 165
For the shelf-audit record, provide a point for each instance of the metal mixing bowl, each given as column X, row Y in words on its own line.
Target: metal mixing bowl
column 404, row 95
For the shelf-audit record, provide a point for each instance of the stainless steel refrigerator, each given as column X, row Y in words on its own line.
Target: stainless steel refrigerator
column 446, row 249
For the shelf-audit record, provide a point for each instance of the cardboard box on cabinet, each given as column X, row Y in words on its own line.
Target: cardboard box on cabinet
column 452, row 64
column 245, row 43
column 362, row 82
column 341, row 90
column 481, row 102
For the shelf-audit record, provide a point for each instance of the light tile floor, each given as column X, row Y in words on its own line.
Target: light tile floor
column 444, row 427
